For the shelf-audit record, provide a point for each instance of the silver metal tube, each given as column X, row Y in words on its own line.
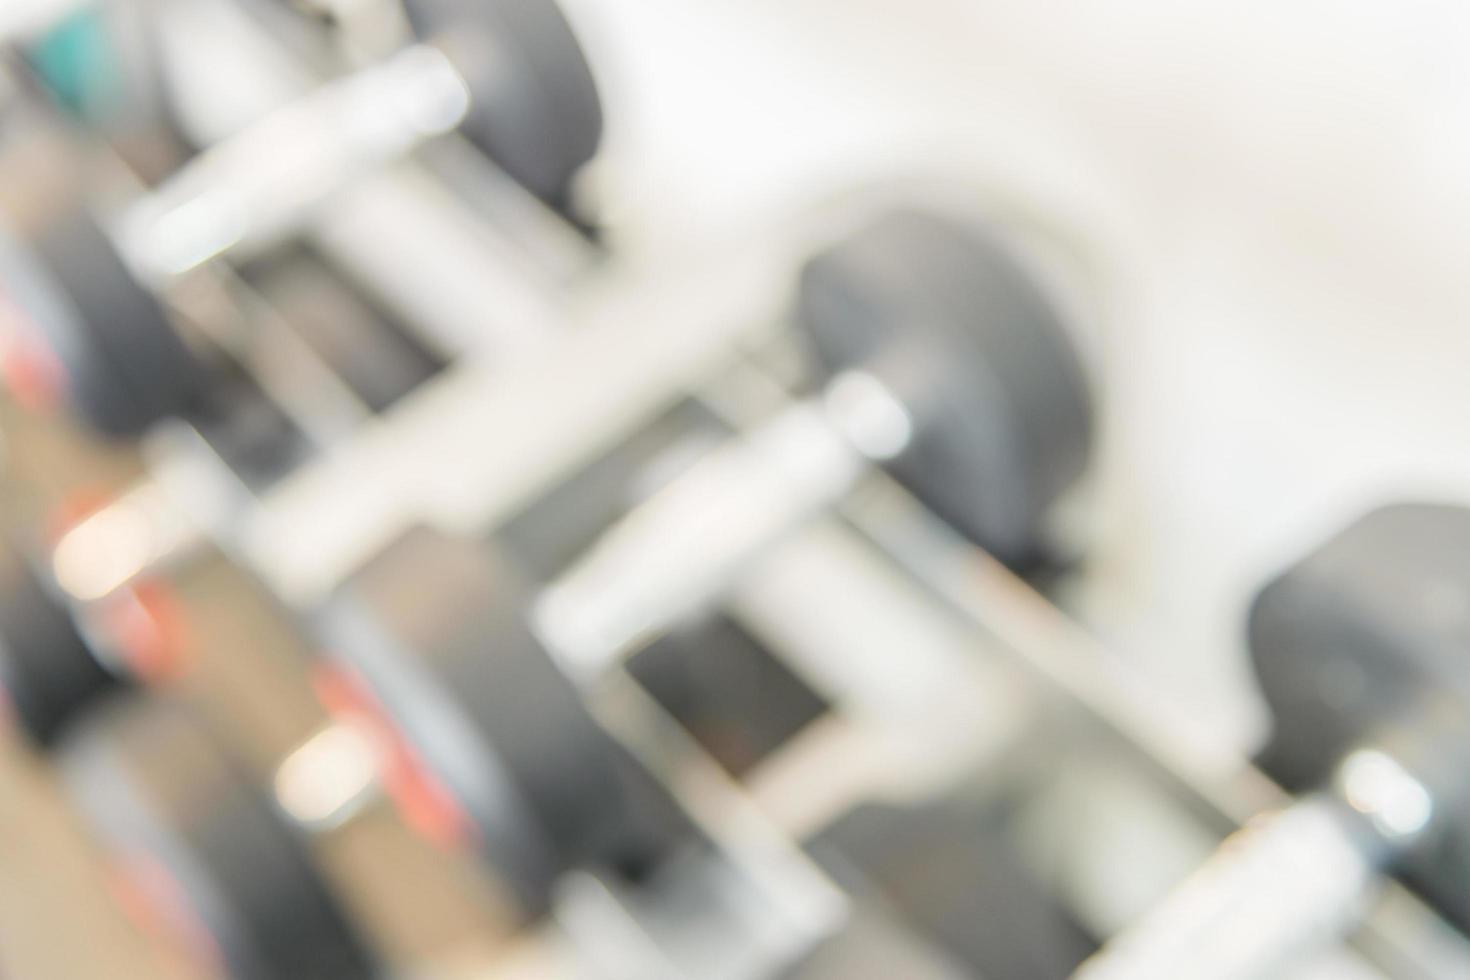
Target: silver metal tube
column 405, row 238
column 681, row 548
column 1283, row 886
column 1276, row 890
column 475, row 443
column 261, row 183
column 1218, row 785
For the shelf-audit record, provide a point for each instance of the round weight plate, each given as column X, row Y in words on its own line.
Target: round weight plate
column 1362, row 641
column 48, row 672
column 225, row 872
column 534, row 109
column 125, row 366
column 955, row 327
column 434, row 628
column 1358, row 632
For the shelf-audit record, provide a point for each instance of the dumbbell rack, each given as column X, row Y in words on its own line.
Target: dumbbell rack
column 419, row 247
column 301, row 412
column 1015, row 625
column 1066, row 661
column 963, row 595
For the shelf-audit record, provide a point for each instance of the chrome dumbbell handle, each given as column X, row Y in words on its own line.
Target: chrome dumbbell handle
column 1274, row 890
column 682, row 548
column 1283, row 886
column 459, row 454
column 258, row 184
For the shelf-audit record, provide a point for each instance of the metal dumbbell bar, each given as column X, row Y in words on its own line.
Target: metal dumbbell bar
column 1300, row 879
column 418, row 249
column 87, row 559
column 1382, row 601
column 982, row 347
column 510, row 74
column 304, row 787
column 929, row 732
column 910, row 285
column 1317, row 824
column 803, row 796
column 128, row 371
column 436, row 436
column 1396, row 931
column 996, row 308
column 456, row 454
column 1000, row 323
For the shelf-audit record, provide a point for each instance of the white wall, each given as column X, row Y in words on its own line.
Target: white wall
column 1276, row 193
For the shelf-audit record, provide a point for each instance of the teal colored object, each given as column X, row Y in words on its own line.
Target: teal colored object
column 78, row 64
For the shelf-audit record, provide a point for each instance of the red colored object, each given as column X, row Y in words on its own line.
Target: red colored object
column 423, row 801
column 147, row 623
column 159, row 907
column 31, row 372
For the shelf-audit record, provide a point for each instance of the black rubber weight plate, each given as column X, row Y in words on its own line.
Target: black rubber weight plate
column 955, row 326
column 1361, row 629
column 436, row 627
column 125, row 366
column 1365, row 640
column 158, row 784
column 535, row 108
column 47, row 670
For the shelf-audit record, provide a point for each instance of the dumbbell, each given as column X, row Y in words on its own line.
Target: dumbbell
column 460, row 711
column 201, row 856
column 1003, row 429
column 946, row 366
column 1359, row 650
column 480, row 741
column 918, row 294
column 509, row 75
column 977, row 394
column 482, row 744
column 124, row 361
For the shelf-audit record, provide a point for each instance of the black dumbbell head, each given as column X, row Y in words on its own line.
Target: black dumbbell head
column 535, row 109
column 1367, row 641
column 1353, row 635
column 124, row 365
column 957, row 328
column 168, row 799
column 49, row 672
column 435, row 628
